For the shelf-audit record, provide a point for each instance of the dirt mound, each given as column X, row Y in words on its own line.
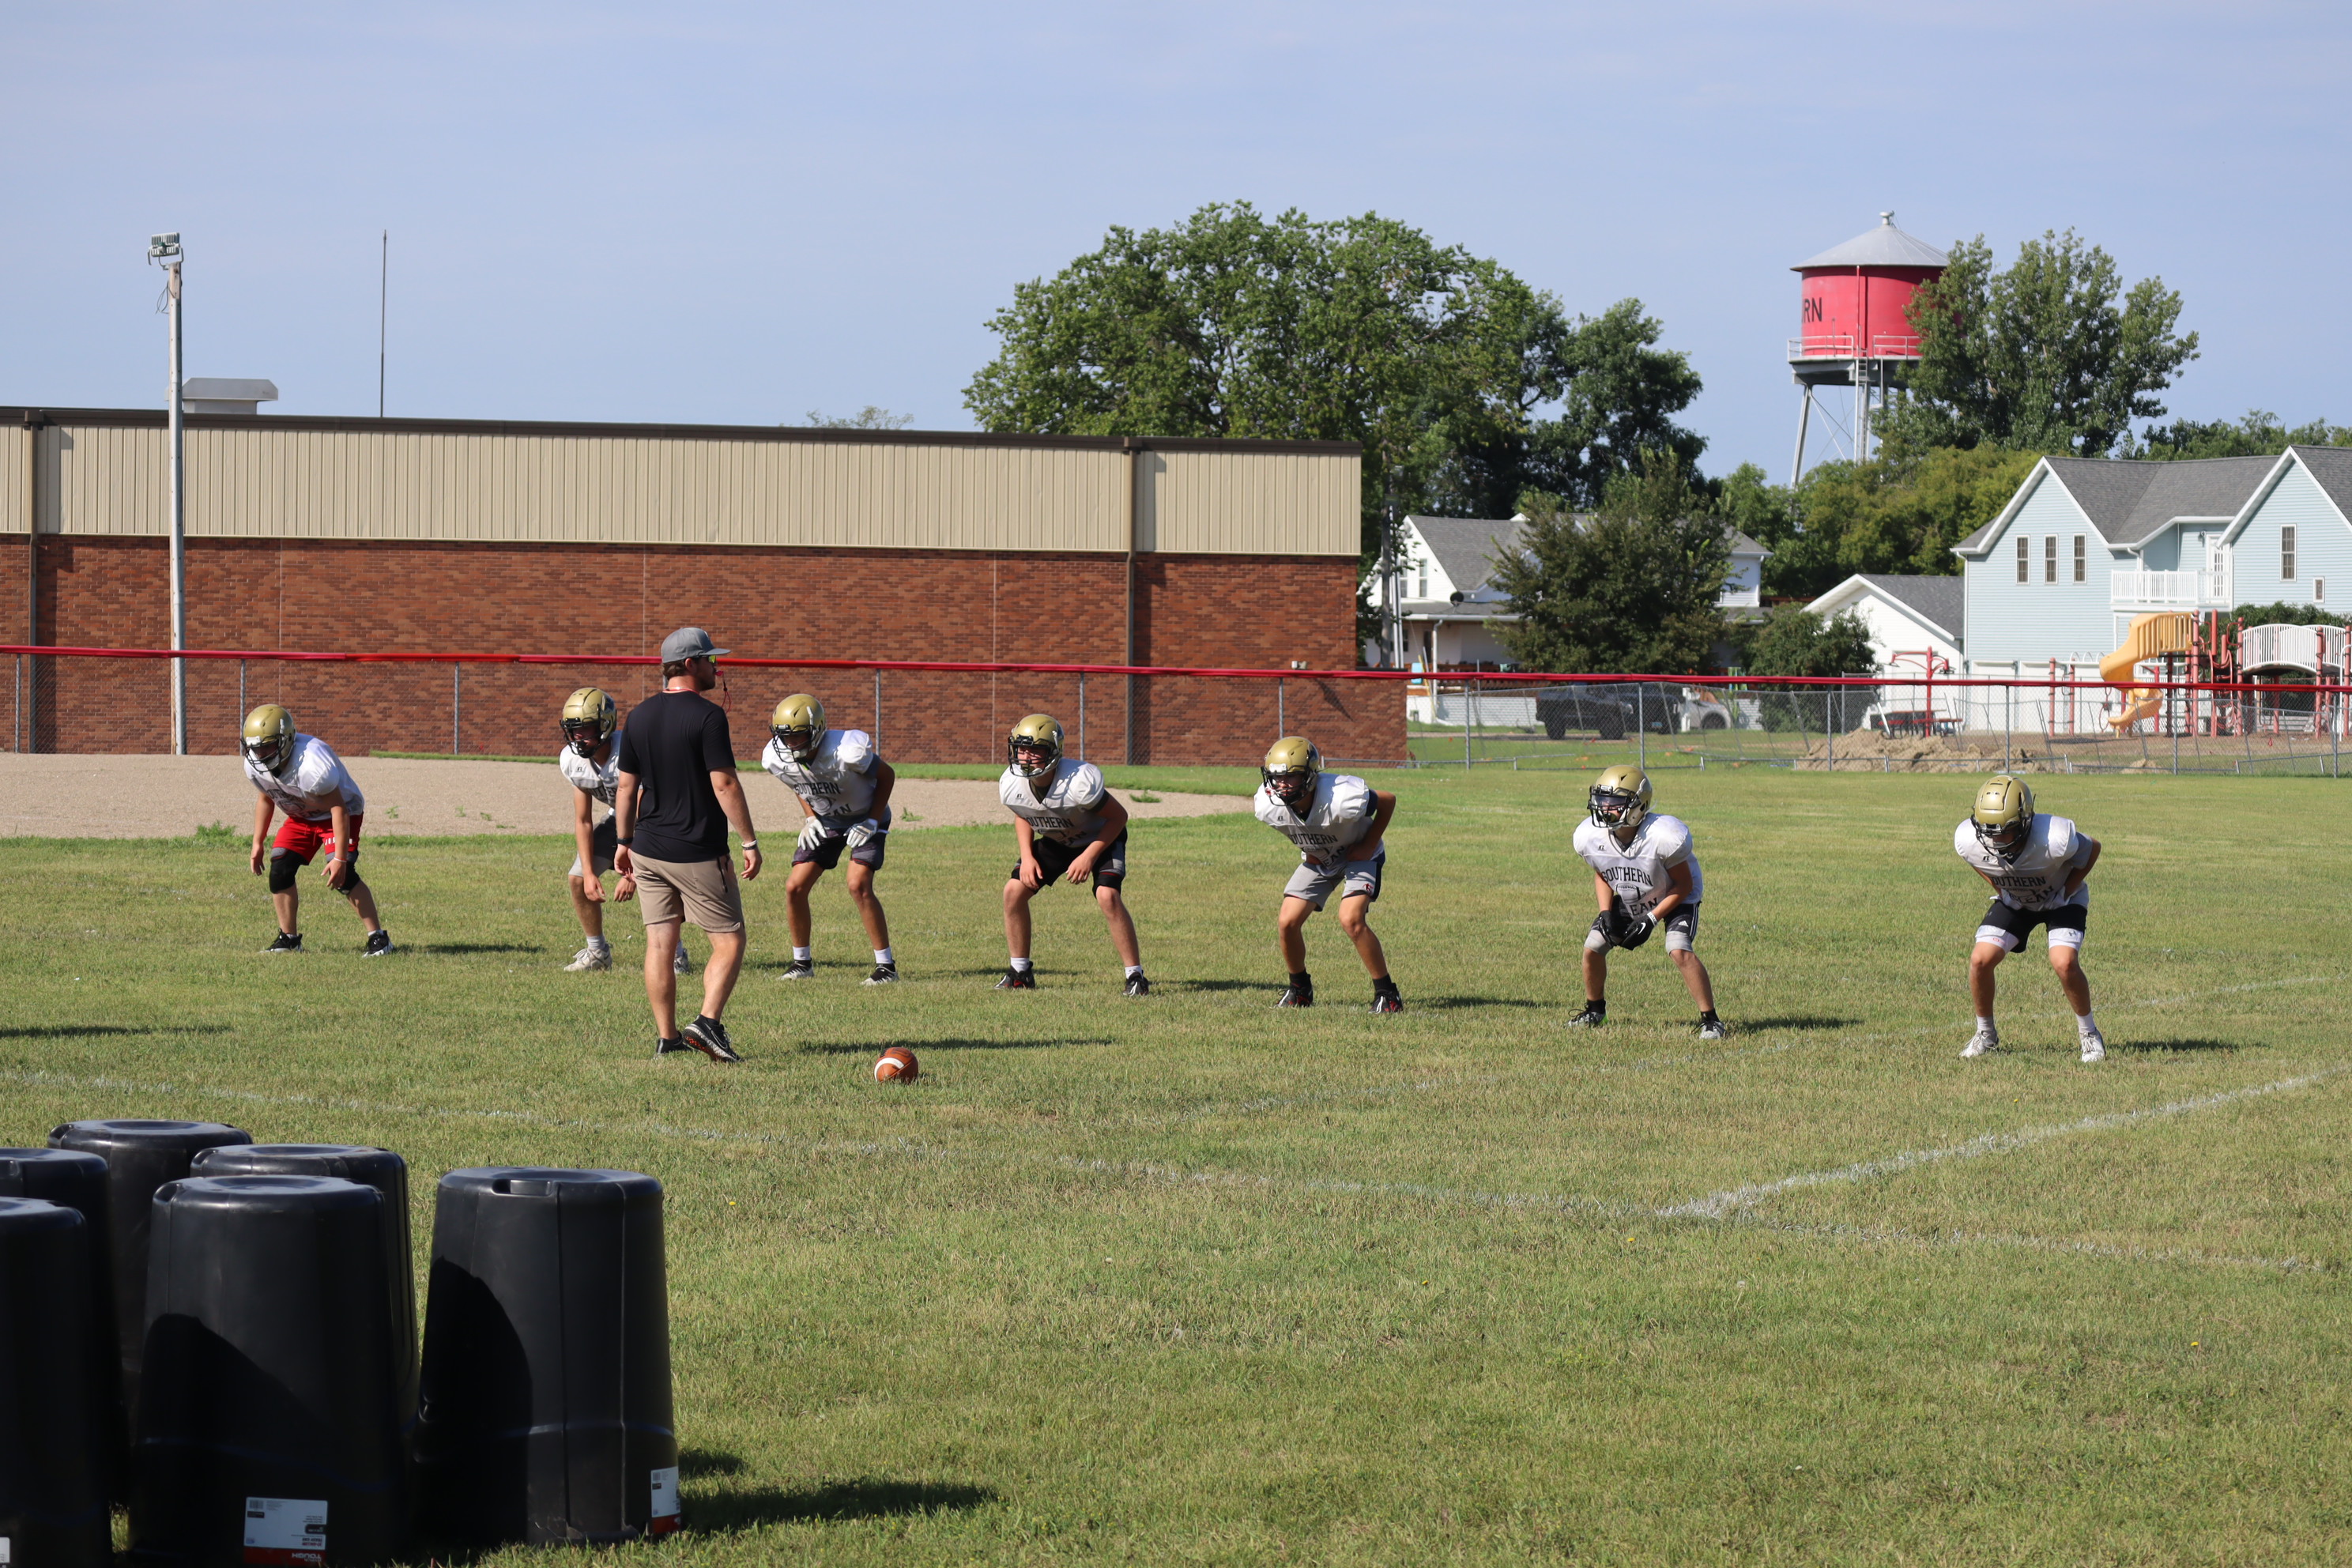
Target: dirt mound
column 1872, row 751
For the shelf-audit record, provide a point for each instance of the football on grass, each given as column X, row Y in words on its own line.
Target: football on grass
column 897, row 1064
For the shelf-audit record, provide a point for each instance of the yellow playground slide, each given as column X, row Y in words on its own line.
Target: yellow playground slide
column 2151, row 637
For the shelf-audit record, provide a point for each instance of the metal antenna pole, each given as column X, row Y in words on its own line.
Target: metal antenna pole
column 383, row 315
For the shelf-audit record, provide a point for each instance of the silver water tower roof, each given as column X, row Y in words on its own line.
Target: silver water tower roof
column 1885, row 246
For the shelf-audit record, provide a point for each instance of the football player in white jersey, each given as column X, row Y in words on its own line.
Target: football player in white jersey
column 2035, row 865
column 590, row 766
column 1065, row 824
column 301, row 777
column 1340, row 826
column 844, row 789
column 1645, row 875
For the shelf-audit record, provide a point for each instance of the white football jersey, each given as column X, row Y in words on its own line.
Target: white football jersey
column 599, row 783
column 837, row 782
column 2035, row 876
column 315, row 771
column 1340, row 814
column 1641, row 870
column 1068, row 810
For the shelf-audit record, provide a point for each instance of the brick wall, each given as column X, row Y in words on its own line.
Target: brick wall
column 1248, row 612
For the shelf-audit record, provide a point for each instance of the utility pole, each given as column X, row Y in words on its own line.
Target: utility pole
column 166, row 248
column 383, row 315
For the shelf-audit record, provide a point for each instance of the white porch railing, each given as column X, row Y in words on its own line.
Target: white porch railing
column 2209, row 588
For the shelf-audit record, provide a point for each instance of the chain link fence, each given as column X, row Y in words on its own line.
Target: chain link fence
column 120, row 702
column 1863, row 726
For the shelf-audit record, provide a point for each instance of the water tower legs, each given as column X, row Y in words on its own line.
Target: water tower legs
column 1804, row 419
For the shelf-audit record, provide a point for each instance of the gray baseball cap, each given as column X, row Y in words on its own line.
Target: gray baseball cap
column 688, row 642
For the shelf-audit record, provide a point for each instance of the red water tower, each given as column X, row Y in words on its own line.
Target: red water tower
column 1855, row 324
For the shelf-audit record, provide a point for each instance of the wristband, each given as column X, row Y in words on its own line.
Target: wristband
column 625, row 841
column 751, row 844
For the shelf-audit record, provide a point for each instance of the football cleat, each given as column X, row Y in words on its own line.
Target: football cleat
column 1035, row 747
column 708, row 1036
column 2094, row 1046
column 683, row 963
column 288, row 941
column 1018, row 980
column 799, row 969
column 589, row 717
column 1295, row 995
column 270, row 737
column 595, row 956
column 1137, row 986
column 1591, row 1018
column 379, row 944
column 1983, row 1043
column 1387, row 1002
column 672, row 1047
column 1712, row 1029
column 2003, row 816
column 798, row 726
column 1289, row 771
column 1620, row 797
column 884, row 974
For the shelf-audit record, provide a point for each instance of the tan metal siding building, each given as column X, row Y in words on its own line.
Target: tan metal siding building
column 104, row 473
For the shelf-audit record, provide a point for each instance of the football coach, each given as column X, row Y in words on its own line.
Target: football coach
column 678, row 790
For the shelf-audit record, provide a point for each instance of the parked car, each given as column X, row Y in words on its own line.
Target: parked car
column 1611, row 717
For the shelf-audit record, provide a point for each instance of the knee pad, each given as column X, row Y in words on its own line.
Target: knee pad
column 352, row 887
column 283, row 869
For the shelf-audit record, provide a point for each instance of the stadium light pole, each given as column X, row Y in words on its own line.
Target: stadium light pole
column 166, row 248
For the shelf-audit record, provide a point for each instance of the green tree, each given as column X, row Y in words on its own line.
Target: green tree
column 869, row 417
column 1232, row 324
column 2287, row 615
column 2039, row 357
column 1899, row 513
column 1794, row 642
column 2258, row 435
column 1630, row 588
column 1617, row 393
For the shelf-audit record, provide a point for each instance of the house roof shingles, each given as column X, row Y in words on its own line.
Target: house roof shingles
column 2130, row 499
column 1939, row 600
column 2332, row 466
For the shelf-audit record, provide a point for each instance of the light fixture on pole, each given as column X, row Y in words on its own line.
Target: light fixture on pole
column 166, row 248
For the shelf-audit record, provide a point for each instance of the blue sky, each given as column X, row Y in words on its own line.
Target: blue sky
column 737, row 214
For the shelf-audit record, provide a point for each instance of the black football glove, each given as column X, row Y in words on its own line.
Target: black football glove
column 1637, row 933
column 1610, row 924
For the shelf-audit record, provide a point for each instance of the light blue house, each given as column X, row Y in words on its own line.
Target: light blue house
column 2086, row 544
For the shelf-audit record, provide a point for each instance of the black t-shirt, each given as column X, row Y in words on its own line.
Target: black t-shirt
column 672, row 743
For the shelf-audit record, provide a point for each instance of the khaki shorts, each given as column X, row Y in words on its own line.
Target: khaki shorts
column 700, row 892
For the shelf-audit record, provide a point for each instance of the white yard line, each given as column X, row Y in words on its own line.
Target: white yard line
column 1718, row 1206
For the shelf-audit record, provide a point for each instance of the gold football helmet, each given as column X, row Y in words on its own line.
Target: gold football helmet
column 798, row 725
column 270, row 737
column 1040, row 736
column 2003, row 814
column 589, row 717
column 1620, row 797
column 1291, row 767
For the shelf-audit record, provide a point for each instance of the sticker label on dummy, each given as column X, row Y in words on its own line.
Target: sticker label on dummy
column 280, row 1530
column 665, row 1516
column 4, row 1551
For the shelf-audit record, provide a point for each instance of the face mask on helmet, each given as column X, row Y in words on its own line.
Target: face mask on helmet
column 799, row 742
column 2004, row 841
column 273, row 753
column 582, row 736
column 1031, row 757
column 1612, row 807
column 1295, row 787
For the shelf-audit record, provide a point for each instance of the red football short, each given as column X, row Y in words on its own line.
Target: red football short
column 303, row 840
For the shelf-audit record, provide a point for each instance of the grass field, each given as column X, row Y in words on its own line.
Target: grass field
column 1185, row 1280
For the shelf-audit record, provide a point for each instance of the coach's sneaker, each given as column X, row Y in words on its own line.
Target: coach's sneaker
column 2095, row 1046
column 1298, row 993
column 288, row 941
column 884, row 974
column 597, row 954
column 1710, row 1027
column 799, row 969
column 682, row 963
column 379, row 944
column 672, row 1047
column 1592, row 1017
column 1386, row 998
column 708, row 1036
column 1137, row 986
column 1983, row 1043
column 1018, row 980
